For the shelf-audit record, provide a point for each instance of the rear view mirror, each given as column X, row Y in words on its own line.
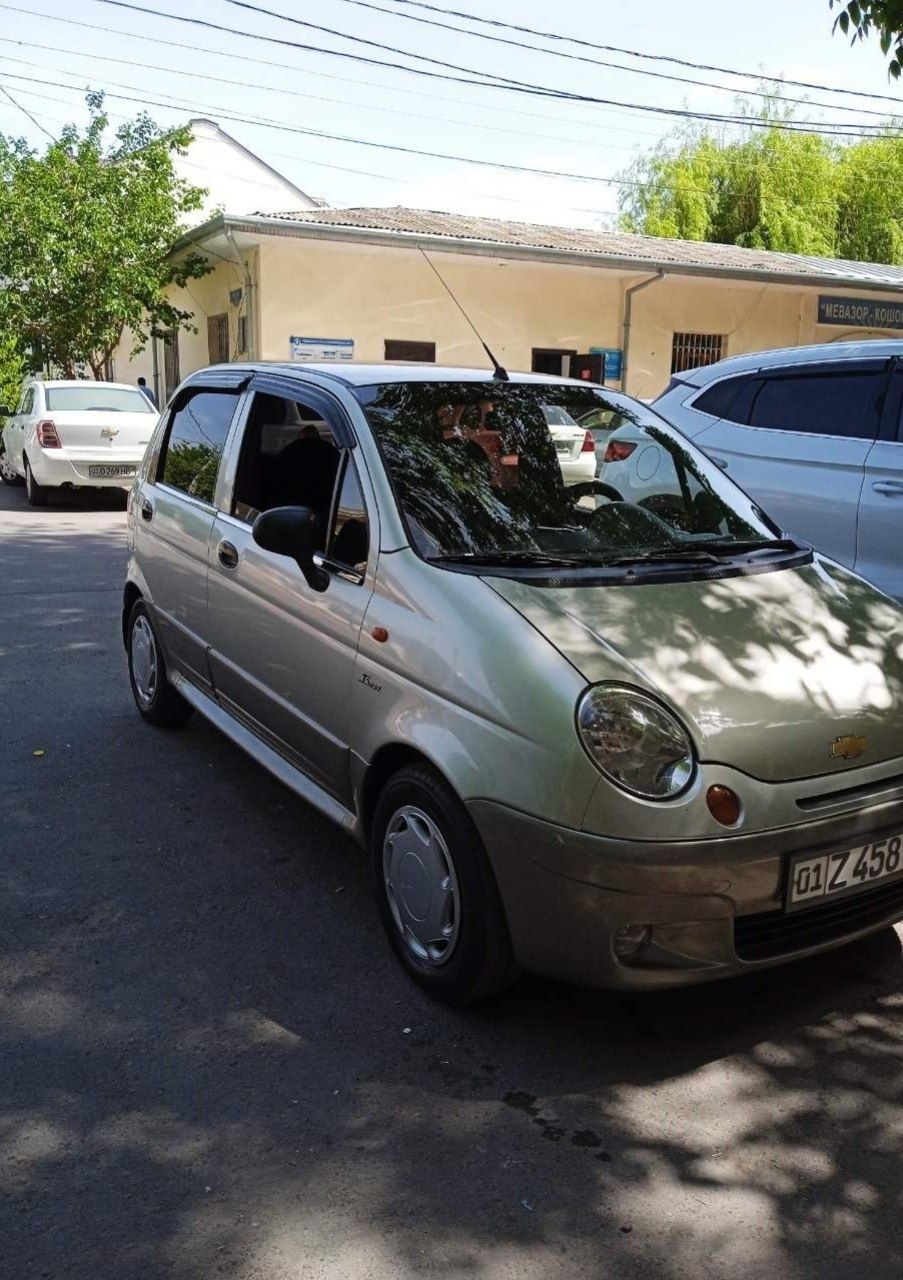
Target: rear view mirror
column 295, row 532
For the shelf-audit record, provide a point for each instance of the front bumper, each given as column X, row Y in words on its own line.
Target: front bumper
column 55, row 468
column 715, row 906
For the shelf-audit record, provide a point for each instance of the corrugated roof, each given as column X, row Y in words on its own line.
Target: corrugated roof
column 646, row 251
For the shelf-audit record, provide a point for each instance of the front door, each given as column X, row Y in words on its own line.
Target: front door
column 282, row 652
column 173, row 514
column 879, row 539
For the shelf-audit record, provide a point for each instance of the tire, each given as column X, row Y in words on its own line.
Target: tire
column 7, row 475
column 159, row 703
column 470, row 956
column 35, row 494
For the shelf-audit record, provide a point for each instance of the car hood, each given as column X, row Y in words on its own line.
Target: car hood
column 766, row 671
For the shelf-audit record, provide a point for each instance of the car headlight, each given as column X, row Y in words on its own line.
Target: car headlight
column 635, row 741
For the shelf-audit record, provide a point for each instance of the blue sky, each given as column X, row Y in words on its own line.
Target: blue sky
column 778, row 37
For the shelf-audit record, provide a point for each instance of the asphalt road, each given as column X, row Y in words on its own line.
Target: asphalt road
column 211, row 1066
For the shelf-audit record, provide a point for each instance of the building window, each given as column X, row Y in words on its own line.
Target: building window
column 218, row 338
column 424, row 352
column 555, row 361
column 693, row 350
column 171, row 372
column 242, row 343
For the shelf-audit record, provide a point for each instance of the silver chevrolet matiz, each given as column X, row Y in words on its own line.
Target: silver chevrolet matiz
column 628, row 743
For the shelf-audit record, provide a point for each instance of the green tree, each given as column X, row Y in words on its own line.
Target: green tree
column 12, row 370
column 858, row 18
column 793, row 192
column 85, row 234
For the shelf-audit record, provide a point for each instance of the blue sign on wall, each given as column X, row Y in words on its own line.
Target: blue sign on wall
column 614, row 361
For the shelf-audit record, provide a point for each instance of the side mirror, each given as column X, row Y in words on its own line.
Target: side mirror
column 295, row 532
column 5, row 411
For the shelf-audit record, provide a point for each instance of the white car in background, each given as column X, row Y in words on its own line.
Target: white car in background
column 574, row 445
column 75, row 434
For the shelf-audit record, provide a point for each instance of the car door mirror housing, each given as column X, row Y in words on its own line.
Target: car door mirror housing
column 5, row 411
column 296, row 532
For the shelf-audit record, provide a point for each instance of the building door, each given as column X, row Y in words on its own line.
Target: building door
column 552, row 360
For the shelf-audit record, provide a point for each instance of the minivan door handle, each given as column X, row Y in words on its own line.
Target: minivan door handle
column 147, row 510
column 894, row 488
column 228, row 555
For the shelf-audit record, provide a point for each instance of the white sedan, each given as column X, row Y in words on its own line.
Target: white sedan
column 75, row 434
column 574, row 445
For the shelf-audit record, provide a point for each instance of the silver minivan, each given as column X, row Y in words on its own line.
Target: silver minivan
column 816, row 435
column 631, row 743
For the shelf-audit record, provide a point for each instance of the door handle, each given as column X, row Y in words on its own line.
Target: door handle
column 719, row 462
column 894, row 488
column 228, row 555
column 147, row 510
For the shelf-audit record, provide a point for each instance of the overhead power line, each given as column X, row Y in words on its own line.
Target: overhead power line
column 766, row 94
column 26, row 112
column 649, row 57
column 267, row 123
column 292, row 93
column 245, row 57
column 807, row 126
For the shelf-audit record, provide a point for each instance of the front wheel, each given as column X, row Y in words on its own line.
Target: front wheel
column 155, row 698
column 437, row 894
column 35, row 494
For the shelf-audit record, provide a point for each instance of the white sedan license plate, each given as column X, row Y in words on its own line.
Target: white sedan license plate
column 845, row 871
column 110, row 471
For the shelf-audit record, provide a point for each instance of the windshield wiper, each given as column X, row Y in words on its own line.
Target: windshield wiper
column 708, row 552
column 517, row 559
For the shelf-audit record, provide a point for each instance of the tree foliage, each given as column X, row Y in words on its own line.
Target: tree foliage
column 858, row 18
column 85, row 233
column 788, row 191
column 12, row 370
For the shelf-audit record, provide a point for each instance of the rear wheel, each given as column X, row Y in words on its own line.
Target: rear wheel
column 35, row 494
column 437, row 894
column 155, row 698
column 8, row 473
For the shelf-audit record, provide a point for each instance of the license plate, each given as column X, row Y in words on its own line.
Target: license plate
column 845, row 871
column 108, row 471
column 564, row 449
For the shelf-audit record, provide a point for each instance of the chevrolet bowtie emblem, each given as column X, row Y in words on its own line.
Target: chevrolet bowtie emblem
column 848, row 747
column 109, row 432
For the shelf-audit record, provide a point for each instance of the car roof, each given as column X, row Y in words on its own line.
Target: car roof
column 866, row 349
column 85, row 382
column 352, row 374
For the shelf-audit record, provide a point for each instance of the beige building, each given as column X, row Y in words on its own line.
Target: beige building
column 364, row 284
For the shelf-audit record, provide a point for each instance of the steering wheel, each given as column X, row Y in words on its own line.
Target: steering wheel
column 587, row 488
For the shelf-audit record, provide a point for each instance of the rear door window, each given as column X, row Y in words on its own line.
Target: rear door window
column 719, row 399
column 827, row 404
column 194, row 442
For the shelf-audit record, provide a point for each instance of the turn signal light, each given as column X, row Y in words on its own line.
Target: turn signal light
column 589, row 444
column 48, row 436
column 618, row 451
column 724, row 805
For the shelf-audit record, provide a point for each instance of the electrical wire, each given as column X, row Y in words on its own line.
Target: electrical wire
column 26, row 112
column 827, row 129
column 650, row 57
column 767, row 94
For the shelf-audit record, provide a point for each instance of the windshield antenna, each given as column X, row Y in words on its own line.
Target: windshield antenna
column 500, row 374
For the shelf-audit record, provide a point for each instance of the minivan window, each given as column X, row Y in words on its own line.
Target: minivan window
column 476, row 474
column 350, row 537
column 94, row 396
column 194, row 442
column 827, row 404
column 288, row 459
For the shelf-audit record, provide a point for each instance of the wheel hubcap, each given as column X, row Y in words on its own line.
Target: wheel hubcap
column 144, row 660
column 421, row 885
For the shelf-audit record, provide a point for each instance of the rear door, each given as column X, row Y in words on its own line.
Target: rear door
column 798, row 446
column 283, row 653
column 879, row 539
column 175, row 508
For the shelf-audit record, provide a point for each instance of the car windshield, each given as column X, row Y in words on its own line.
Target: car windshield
column 95, row 397
column 477, row 474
